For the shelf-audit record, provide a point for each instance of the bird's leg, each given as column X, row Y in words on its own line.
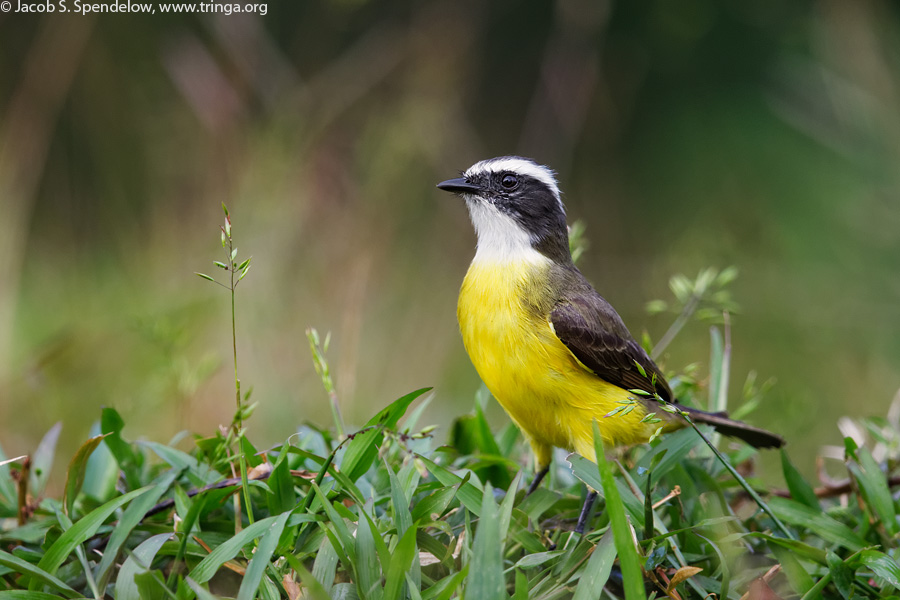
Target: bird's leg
column 585, row 511
column 538, row 477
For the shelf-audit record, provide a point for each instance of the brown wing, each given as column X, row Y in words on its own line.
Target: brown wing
column 592, row 330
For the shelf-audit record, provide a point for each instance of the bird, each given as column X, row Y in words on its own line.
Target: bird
column 552, row 351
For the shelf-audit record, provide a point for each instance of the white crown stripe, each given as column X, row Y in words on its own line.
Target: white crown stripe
column 516, row 165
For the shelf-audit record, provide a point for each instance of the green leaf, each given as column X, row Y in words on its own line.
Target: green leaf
column 825, row 527
column 314, row 589
column 486, row 580
column 599, row 566
column 800, row 579
column 281, row 496
column 208, row 567
column 131, row 518
column 399, row 503
column 200, row 474
column 26, row 568
column 139, row 561
column 467, row 493
column 841, row 575
column 873, row 485
column 204, row 276
column 446, row 587
column 632, row 576
column 86, row 527
column 368, row 573
column 256, row 570
column 26, row 595
column 75, row 472
column 401, row 561
column 42, row 460
column 882, row 565
column 325, row 565
column 800, row 490
column 201, row 592
column 391, row 415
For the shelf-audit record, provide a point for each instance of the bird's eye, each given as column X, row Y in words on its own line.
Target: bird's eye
column 509, row 181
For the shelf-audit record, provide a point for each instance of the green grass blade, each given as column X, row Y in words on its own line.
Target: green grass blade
column 507, row 505
column 256, row 570
column 598, row 568
column 882, row 565
column 131, row 518
column 126, row 587
column 467, row 493
column 325, row 565
column 313, row 587
column 800, row 490
column 26, row 568
column 368, row 571
column 207, row 567
column 825, row 527
column 82, row 530
column 399, row 503
column 201, row 592
column 799, row 578
column 401, row 561
column 76, row 470
column 391, row 415
column 632, row 576
column 199, row 473
column 42, row 460
column 873, row 485
column 26, row 595
column 486, row 579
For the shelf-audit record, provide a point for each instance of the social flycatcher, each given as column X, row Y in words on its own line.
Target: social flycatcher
column 551, row 350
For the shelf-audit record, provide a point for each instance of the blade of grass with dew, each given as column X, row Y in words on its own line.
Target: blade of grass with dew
column 256, row 570
column 632, row 576
column 486, row 581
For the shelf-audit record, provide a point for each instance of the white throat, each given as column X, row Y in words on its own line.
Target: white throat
column 500, row 238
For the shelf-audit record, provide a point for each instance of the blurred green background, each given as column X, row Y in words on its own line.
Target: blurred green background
column 686, row 134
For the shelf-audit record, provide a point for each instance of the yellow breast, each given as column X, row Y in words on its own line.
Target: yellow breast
column 504, row 319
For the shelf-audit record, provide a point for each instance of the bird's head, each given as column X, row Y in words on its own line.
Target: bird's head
column 515, row 207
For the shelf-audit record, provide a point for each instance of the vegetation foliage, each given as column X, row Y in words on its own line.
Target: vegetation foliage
column 384, row 512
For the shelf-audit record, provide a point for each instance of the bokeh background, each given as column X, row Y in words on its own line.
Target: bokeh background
column 686, row 134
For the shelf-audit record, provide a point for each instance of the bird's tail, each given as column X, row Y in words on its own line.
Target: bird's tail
column 756, row 437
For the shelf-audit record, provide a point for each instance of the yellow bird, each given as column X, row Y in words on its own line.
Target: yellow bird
column 550, row 349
